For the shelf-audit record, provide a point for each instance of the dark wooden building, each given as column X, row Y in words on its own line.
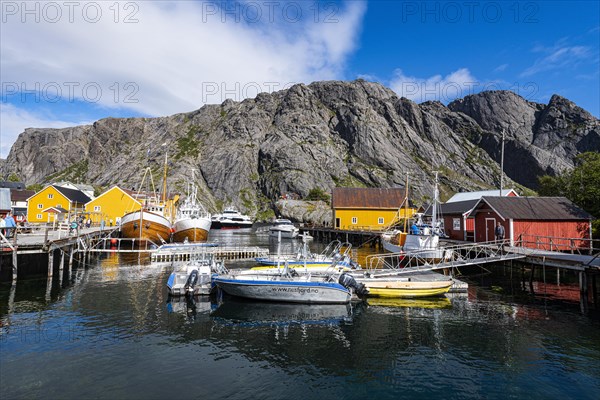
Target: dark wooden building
column 526, row 218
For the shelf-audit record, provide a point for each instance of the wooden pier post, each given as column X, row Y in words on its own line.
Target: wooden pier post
column 50, row 262
column 71, row 259
column 583, row 292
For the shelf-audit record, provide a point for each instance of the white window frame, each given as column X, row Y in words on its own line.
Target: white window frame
column 39, row 216
column 456, row 224
column 380, row 221
column 50, row 195
column 40, row 206
column 97, row 208
column 354, row 220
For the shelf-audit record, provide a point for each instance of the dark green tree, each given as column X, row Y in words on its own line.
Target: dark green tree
column 581, row 185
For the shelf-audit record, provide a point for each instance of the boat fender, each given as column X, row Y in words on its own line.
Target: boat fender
column 349, row 282
column 191, row 280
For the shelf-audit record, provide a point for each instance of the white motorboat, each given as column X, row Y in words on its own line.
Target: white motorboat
column 192, row 222
column 195, row 277
column 423, row 240
column 291, row 287
column 285, row 227
column 231, row 219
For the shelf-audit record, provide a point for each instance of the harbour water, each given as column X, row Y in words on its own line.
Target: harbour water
column 109, row 331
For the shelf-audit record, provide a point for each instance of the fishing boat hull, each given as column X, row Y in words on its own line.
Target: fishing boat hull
column 290, row 291
column 192, row 229
column 405, row 289
column 145, row 225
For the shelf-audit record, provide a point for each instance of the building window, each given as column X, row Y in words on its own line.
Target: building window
column 456, row 224
column 40, row 206
column 96, row 208
column 354, row 220
column 39, row 216
column 380, row 221
column 50, row 195
column 59, row 206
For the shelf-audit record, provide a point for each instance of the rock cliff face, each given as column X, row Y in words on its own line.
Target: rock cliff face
column 320, row 135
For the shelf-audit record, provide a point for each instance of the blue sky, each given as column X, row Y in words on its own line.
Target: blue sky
column 64, row 66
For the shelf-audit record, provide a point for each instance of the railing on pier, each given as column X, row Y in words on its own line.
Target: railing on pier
column 441, row 258
column 553, row 243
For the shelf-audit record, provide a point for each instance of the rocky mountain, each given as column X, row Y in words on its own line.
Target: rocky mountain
column 321, row 135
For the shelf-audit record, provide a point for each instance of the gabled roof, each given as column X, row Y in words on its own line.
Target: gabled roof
column 12, row 185
column 458, row 207
column 367, row 198
column 72, row 194
column 56, row 210
column 464, row 196
column 20, row 195
column 129, row 193
column 534, row 208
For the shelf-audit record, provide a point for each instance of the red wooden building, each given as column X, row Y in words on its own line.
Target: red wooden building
column 524, row 218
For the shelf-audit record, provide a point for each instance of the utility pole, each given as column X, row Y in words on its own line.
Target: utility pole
column 502, row 164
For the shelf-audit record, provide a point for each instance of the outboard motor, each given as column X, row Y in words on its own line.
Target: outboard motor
column 349, row 282
column 191, row 281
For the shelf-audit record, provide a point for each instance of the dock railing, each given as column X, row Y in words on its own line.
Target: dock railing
column 552, row 243
column 441, row 258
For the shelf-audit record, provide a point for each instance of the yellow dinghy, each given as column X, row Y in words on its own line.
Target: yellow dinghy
column 406, row 289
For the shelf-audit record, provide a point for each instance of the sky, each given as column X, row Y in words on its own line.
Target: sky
column 72, row 63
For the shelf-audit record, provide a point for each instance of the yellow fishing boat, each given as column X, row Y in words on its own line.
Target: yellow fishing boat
column 406, row 288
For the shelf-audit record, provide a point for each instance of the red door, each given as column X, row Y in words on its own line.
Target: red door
column 490, row 225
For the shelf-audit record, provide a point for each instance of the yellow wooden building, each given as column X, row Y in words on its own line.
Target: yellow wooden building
column 368, row 208
column 55, row 203
column 112, row 205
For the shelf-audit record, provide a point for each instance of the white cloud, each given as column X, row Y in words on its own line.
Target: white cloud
column 15, row 119
column 557, row 57
column 457, row 84
column 501, row 68
column 176, row 57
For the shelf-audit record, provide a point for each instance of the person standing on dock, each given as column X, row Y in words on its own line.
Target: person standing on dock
column 10, row 225
column 499, row 232
column 102, row 224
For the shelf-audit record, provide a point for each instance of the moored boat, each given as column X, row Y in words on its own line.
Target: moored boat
column 283, row 227
column 397, row 288
column 192, row 222
column 290, row 287
column 153, row 220
column 422, row 242
column 231, row 219
column 146, row 225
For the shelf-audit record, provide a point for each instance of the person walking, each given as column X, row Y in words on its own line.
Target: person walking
column 499, row 232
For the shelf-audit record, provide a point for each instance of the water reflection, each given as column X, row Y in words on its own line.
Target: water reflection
column 110, row 330
column 253, row 313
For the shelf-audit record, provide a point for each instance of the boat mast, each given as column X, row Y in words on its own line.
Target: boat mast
column 164, row 194
column 406, row 205
column 502, row 164
column 434, row 205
